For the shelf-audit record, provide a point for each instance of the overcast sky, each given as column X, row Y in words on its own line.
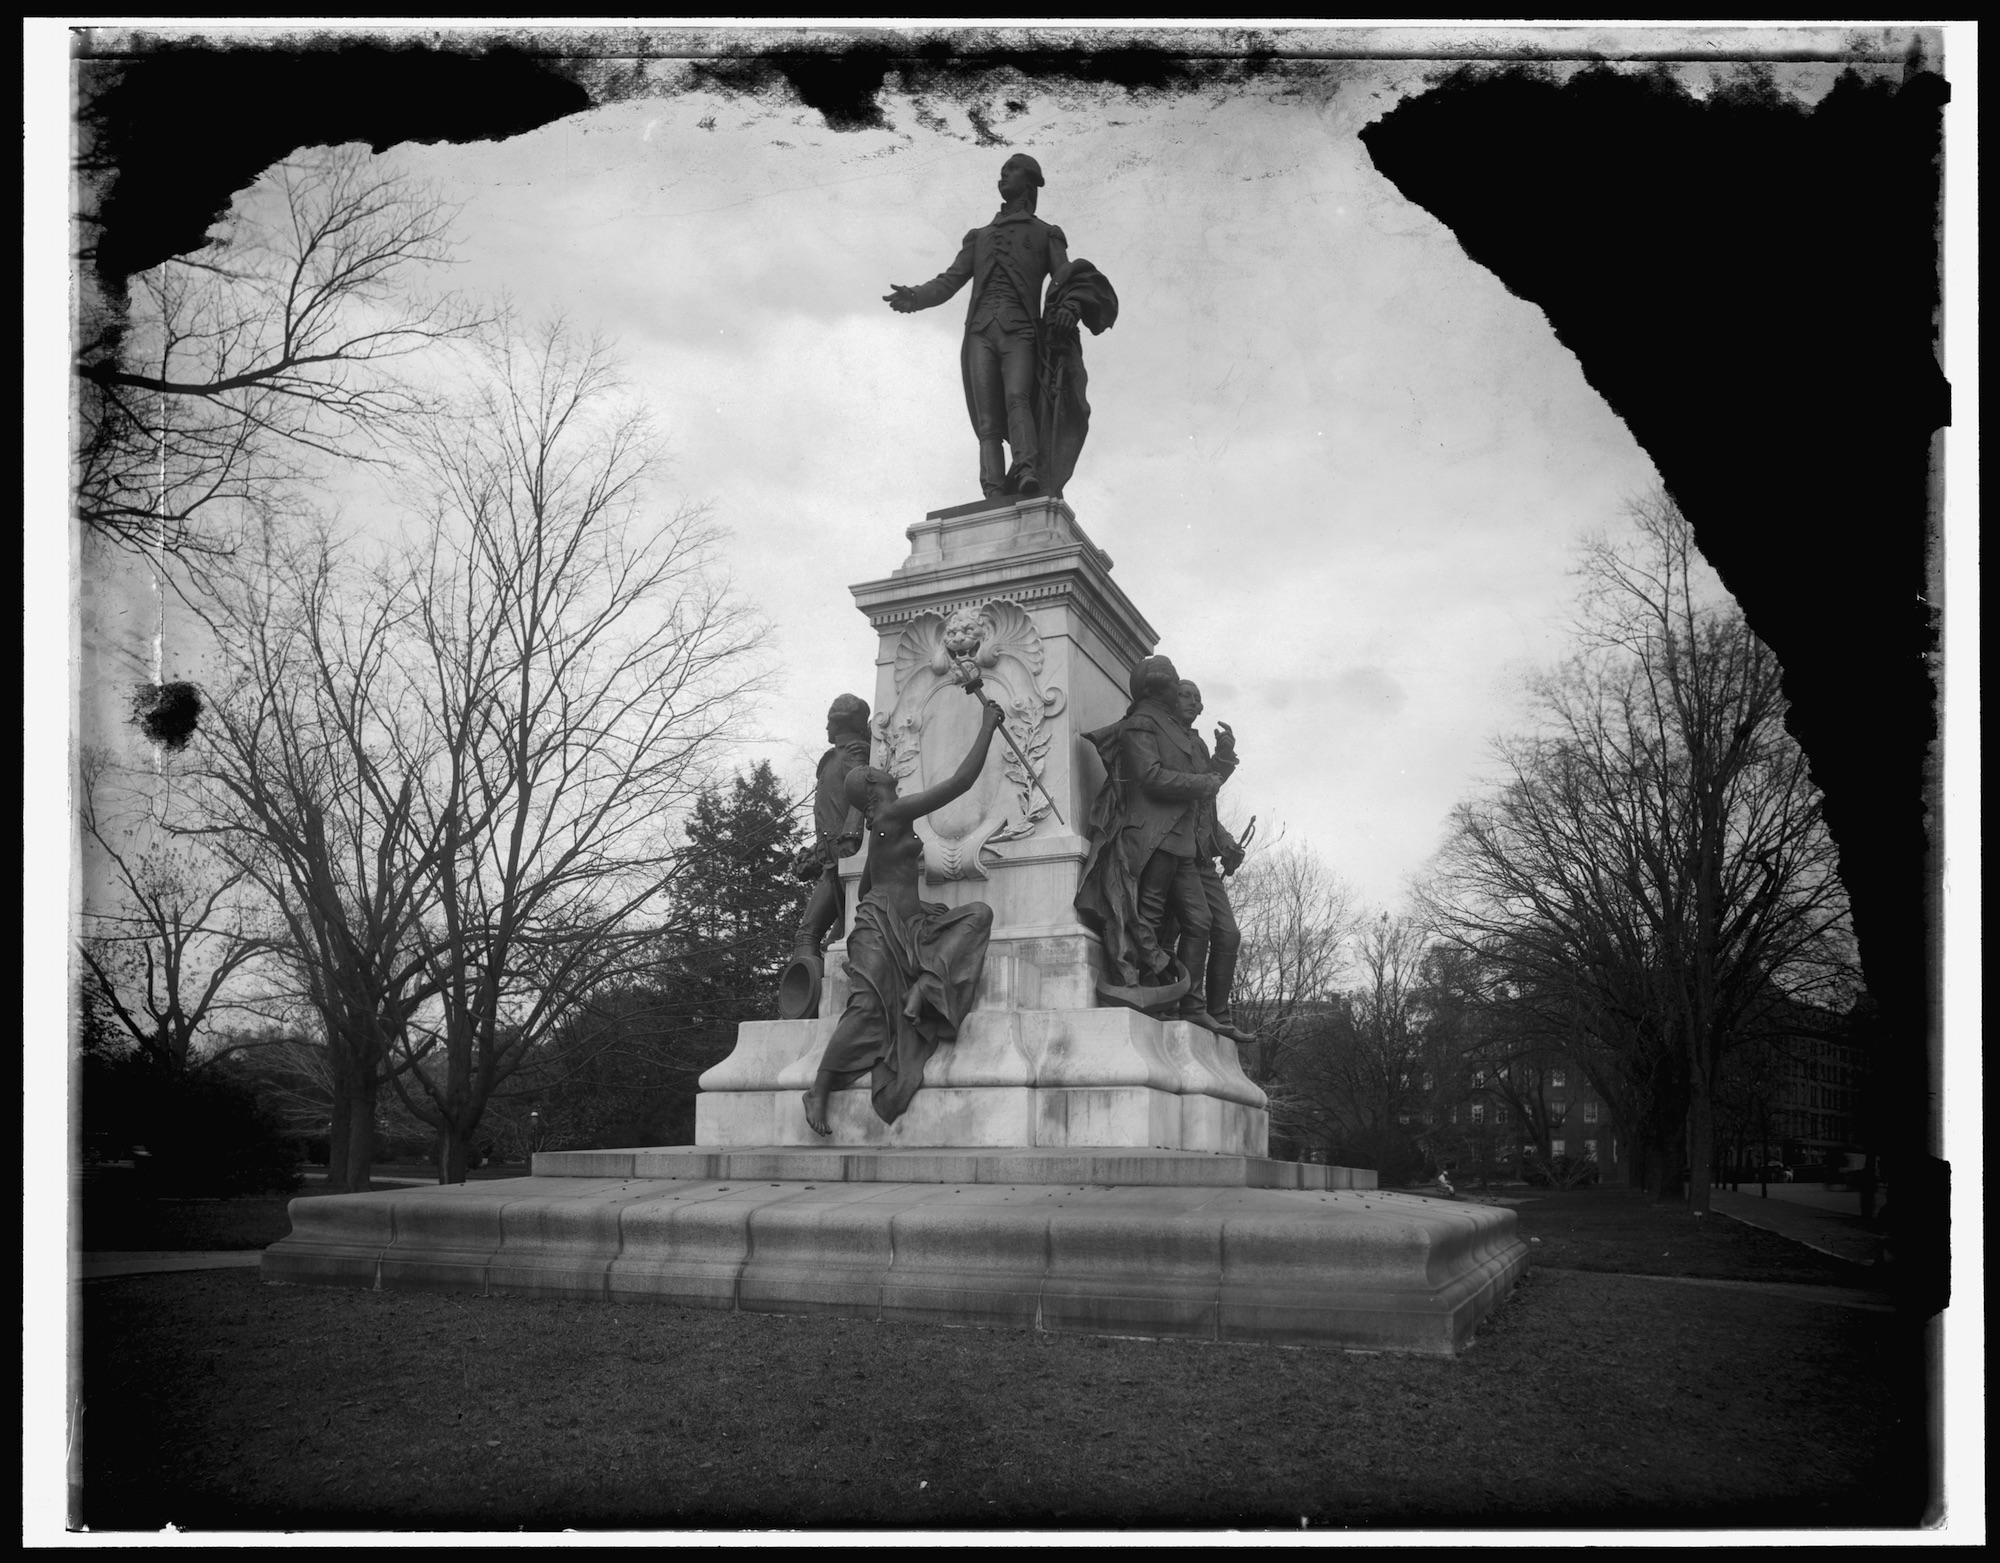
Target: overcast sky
column 1339, row 467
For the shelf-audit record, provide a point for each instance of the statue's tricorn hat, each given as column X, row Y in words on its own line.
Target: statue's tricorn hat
column 1034, row 168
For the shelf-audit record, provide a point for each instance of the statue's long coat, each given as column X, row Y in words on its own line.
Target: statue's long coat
column 1150, row 801
column 1019, row 252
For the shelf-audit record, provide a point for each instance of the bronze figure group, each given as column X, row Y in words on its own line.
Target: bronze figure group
column 1151, row 888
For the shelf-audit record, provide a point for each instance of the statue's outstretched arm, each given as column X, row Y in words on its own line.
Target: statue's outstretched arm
column 918, row 804
column 906, row 301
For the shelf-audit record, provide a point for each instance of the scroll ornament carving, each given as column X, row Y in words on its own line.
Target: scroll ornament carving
column 923, row 735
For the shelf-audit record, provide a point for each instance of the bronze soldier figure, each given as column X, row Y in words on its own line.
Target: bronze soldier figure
column 1212, row 839
column 1021, row 361
column 836, row 834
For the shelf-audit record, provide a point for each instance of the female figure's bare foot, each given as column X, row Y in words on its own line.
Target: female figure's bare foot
column 815, row 1101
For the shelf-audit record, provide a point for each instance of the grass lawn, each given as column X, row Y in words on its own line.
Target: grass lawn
column 1627, row 1232
column 214, row 1401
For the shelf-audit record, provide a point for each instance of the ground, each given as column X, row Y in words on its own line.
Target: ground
column 1593, row 1397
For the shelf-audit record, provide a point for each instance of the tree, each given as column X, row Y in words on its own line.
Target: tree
column 581, row 660
column 1297, row 917
column 456, row 767
column 304, row 794
column 622, row 1067
column 224, row 374
column 160, row 959
column 1351, row 1076
column 1653, row 872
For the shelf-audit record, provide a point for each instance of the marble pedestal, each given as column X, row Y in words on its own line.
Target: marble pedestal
column 1066, row 1166
column 1014, row 1078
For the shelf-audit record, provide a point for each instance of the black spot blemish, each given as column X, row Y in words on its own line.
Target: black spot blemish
column 173, row 132
column 167, row 713
column 982, row 129
column 1752, row 284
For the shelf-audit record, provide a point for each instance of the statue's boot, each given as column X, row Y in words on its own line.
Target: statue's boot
column 1026, row 483
column 1196, row 1015
column 1225, row 1026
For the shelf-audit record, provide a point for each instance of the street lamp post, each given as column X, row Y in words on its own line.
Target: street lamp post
column 534, row 1135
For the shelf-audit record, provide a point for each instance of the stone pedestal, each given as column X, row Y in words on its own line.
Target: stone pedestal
column 1166, row 1244
column 1014, row 1077
column 1056, row 641
column 1066, row 1166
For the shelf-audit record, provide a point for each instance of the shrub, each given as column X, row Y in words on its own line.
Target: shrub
column 1559, row 1172
column 205, row 1132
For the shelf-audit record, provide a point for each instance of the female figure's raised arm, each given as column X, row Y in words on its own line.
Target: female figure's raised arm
column 918, row 804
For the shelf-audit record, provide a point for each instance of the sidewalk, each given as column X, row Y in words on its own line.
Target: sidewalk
column 95, row 1267
column 1830, row 1231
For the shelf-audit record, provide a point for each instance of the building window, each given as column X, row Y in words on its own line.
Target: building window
column 1479, row 1112
column 1429, row 1083
column 1590, row 1150
column 1499, row 1113
column 1590, row 1112
column 1557, row 1077
column 1556, row 1147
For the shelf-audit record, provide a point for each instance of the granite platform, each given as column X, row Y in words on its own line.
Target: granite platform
column 1182, row 1245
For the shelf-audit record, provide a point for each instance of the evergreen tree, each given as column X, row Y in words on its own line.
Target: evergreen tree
column 625, row 1064
column 736, row 904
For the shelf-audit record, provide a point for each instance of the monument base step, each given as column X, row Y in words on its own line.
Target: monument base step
column 1223, row 1262
column 1102, row 1165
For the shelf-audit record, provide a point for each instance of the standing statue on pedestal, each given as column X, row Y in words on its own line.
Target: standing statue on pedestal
column 1211, row 840
column 1141, row 864
column 1022, row 360
column 914, row 964
column 836, row 835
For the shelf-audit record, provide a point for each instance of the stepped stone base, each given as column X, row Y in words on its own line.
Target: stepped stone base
column 889, row 1237
column 1013, row 1077
column 1106, row 1167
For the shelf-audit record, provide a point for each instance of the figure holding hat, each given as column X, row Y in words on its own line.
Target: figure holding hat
column 1021, row 361
column 836, row 823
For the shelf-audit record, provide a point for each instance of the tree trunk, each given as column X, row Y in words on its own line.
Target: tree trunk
column 453, row 1145
column 360, row 1137
column 1700, row 1139
column 336, row 1142
column 1664, row 1147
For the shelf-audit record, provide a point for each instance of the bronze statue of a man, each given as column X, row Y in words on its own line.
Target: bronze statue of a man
column 1212, row 840
column 1140, row 869
column 836, row 822
column 1022, row 361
